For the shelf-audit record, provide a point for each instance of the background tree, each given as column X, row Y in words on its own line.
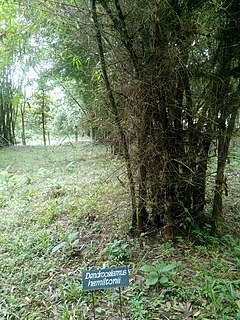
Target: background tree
column 8, row 108
column 18, row 53
column 75, row 66
column 7, row 104
column 41, row 108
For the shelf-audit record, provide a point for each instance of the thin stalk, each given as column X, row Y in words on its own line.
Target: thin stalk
column 115, row 112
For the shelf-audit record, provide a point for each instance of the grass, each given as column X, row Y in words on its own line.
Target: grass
column 64, row 210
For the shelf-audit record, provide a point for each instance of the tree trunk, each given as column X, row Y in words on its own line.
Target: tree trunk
column 199, row 182
column 43, row 119
column 227, row 115
column 223, row 147
column 22, row 111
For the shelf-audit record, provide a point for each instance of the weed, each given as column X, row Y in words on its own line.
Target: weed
column 204, row 236
column 157, row 273
column 70, row 245
column 137, row 307
column 118, row 251
column 221, row 295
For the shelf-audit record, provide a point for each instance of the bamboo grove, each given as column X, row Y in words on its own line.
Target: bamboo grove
column 173, row 89
column 171, row 72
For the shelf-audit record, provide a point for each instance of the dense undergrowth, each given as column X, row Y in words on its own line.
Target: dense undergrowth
column 65, row 209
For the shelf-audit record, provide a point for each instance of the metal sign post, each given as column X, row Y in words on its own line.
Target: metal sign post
column 120, row 301
column 93, row 304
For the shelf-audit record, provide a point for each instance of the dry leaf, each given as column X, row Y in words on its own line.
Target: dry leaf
column 196, row 314
column 28, row 299
column 238, row 303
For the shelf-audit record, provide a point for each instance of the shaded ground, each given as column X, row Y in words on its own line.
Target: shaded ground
column 64, row 210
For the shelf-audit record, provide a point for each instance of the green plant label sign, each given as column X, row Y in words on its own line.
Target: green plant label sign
column 105, row 278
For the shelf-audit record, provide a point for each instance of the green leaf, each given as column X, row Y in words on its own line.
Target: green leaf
column 168, row 267
column 163, row 279
column 159, row 266
column 152, row 279
column 148, row 269
column 16, row 99
column 59, row 246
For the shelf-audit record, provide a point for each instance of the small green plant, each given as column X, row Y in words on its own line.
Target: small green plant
column 70, row 245
column 117, row 250
column 205, row 235
column 158, row 273
column 221, row 294
column 137, row 303
column 6, row 175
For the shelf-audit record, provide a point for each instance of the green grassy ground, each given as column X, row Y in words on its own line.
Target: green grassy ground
column 65, row 209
